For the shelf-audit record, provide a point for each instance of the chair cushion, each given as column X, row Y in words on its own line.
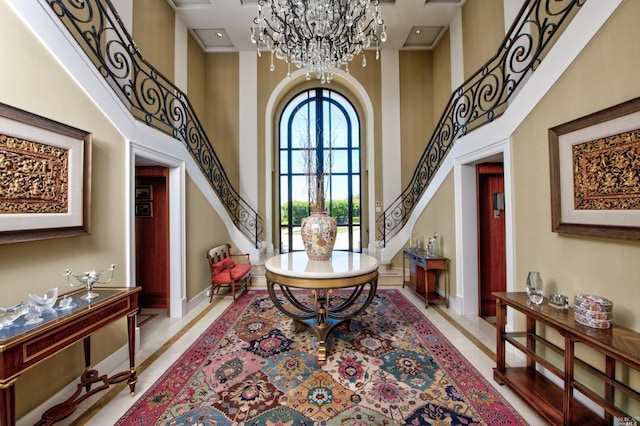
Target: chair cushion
column 237, row 271
column 240, row 270
column 223, row 265
column 222, row 277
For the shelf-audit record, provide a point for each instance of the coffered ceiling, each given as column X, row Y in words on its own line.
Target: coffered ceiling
column 225, row 25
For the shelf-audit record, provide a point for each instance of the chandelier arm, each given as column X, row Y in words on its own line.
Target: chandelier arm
column 340, row 24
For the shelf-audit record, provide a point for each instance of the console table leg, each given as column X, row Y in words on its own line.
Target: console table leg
column 8, row 403
column 531, row 342
column 404, row 266
column 567, row 392
column 446, row 286
column 86, row 342
column 131, row 326
column 501, row 314
column 609, row 389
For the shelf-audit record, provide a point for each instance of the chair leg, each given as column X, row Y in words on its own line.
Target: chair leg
column 233, row 289
column 247, row 283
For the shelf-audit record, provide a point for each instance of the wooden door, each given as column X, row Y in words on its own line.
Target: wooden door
column 152, row 236
column 491, row 235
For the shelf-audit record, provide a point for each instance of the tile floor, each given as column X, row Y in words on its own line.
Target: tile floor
column 164, row 339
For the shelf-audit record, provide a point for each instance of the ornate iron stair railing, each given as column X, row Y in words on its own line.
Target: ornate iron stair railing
column 150, row 96
column 482, row 98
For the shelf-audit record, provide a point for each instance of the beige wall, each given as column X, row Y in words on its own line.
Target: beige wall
column 602, row 76
column 154, row 33
column 483, row 31
column 370, row 78
column 222, row 119
column 416, row 108
column 267, row 82
column 196, row 77
column 441, row 76
column 36, row 83
column 204, row 230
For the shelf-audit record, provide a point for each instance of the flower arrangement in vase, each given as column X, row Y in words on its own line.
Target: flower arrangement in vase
column 319, row 229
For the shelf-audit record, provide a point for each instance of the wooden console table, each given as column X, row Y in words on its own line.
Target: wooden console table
column 424, row 271
column 352, row 272
column 620, row 346
column 23, row 345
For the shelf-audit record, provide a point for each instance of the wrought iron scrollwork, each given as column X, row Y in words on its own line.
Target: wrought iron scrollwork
column 150, row 96
column 482, row 98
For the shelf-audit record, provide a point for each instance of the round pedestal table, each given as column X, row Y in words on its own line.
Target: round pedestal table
column 306, row 290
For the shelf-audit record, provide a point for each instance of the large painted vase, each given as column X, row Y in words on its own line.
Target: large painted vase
column 319, row 235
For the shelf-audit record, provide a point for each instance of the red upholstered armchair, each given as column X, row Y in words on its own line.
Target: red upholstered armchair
column 225, row 272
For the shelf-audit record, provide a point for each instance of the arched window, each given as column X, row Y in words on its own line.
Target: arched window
column 326, row 123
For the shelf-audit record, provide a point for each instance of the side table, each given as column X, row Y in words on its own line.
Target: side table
column 424, row 271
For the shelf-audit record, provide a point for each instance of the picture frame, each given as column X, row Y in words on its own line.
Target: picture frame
column 144, row 209
column 144, row 193
column 595, row 174
column 45, row 178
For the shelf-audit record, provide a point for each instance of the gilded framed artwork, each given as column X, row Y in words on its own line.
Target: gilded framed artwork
column 595, row 174
column 45, row 178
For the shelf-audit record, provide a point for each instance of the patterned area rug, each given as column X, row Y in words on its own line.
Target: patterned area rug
column 251, row 368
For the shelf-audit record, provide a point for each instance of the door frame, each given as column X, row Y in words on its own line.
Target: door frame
column 140, row 155
column 466, row 211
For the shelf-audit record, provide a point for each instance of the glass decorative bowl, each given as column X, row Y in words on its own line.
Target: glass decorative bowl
column 45, row 302
column 9, row 315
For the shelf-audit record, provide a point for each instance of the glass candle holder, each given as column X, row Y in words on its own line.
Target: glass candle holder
column 89, row 278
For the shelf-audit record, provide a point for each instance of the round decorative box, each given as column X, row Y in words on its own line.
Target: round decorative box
column 591, row 322
column 593, row 311
column 593, row 303
column 598, row 315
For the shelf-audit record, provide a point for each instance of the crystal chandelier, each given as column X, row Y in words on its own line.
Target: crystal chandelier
column 321, row 36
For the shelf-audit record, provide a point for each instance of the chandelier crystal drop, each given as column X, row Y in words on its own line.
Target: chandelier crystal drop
column 321, row 36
